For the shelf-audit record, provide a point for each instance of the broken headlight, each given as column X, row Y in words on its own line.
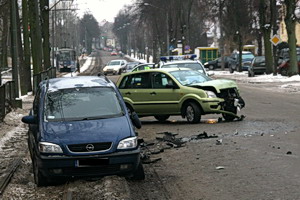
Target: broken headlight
column 210, row 94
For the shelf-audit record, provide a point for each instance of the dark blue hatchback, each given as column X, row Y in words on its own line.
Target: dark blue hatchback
column 80, row 127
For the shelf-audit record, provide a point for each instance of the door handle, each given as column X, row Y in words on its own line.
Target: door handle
column 128, row 93
column 153, row 93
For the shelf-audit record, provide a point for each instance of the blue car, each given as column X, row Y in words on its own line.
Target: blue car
column 80, row 127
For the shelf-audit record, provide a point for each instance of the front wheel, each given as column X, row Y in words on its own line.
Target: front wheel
column 211, row 67
column 192, row 113
column 162, row 118
column 139, row 173
column 39, row 178
column 228, row 117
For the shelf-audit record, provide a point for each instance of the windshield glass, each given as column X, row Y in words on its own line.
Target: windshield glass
column 193, row 66
column 115, row 63
column 189, row 77
column 65, row 55
column 247, row 56
column 82, row 103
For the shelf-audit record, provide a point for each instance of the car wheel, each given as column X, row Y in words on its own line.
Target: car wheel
column 228, row 117
column 192, row 113
column 211, row 67
column 120, row 71
column 39, row 178
column 162, row 118
column 230, row 69
column 139, row 173
column 284, row 72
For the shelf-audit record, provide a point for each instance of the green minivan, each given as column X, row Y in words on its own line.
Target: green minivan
column 172, row 91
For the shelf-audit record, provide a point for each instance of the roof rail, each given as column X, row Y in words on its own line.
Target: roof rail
column 101, row 74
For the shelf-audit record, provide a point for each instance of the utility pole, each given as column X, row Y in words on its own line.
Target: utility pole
column 14, row 35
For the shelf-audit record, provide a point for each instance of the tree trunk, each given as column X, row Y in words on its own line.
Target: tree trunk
column 27, row 63
column 23, row 87
column 35, row 35
column 290, row 28
column 44, row 7
column 4, row 38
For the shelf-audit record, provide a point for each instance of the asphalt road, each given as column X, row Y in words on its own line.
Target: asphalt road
column 258, row 158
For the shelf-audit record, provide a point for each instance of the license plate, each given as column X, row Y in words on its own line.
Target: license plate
column 92, row 162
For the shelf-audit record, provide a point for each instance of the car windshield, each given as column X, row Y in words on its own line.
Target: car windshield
column 247, row 56
column 115, row 63
column 193, row 66
column 82, row 104
column 260, row 59
column 189, row 77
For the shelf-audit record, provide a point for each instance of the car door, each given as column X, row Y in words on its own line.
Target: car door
column 164, row 96
column 135, row 91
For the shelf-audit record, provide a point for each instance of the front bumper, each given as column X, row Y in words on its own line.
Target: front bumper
column 120, row 163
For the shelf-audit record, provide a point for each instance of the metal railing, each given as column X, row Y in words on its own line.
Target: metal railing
column 47, row 74
column 7, row 91
column 7, row 98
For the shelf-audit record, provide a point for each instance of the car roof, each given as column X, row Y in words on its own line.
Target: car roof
column 160, row 70
column 180, row 61
column 118, row 60
column 78, row 81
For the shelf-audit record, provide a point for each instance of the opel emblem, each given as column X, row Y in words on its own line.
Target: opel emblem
column 90, row 147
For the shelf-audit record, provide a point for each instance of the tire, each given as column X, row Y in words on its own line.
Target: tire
column 120, row 71
column 229, row 117
column 283, row 72
column 230, row 69
column 162, row 118
column 39, row 178
column 138, row 174
column 211, row 67
column 192, row 113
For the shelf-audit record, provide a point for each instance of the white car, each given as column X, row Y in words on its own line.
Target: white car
column 190, row 64
column 115, row 67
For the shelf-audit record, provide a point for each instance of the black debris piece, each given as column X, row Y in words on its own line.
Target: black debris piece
column 203, row 135
column 289, row 152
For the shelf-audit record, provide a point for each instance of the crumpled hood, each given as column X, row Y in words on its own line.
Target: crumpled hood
column 87, row 131
column 218, row 84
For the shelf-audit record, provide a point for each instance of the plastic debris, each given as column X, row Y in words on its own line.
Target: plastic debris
column 220, row 167
column 219, row 142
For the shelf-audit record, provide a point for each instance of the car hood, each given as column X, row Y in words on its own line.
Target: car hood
column 218, row 84
column 88, row 131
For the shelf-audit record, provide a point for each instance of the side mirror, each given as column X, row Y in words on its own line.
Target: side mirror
column 135, row 120
column 30, row 119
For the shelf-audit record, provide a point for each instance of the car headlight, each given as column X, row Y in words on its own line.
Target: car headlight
column 206, row 63
column 128, row 143
column 46, row 147
column 211, row 94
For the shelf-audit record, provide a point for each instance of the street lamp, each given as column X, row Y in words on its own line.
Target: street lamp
column 167, row 24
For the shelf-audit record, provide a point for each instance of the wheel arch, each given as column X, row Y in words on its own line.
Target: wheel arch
column 182, row 109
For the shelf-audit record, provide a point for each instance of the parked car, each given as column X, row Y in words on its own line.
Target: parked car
column 216, row 63
column 113, row 53
column 190, row 64
column 172, row 91
column 283, row 68
column 144, row 66
column 247, row 57
column 258, row 66
column 115, row 67
column 131, row 65
column 73, row 132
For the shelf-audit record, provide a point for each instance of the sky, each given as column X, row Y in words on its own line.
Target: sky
column 101, row 9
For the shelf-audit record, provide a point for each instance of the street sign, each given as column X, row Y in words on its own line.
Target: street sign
column 187, row 47
column 171, row 48
column 275, row 40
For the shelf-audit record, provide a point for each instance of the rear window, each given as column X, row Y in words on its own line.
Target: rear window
column 82, row 104
column 114, row 63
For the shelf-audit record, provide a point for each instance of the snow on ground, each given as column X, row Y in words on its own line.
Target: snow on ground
column 84, row 67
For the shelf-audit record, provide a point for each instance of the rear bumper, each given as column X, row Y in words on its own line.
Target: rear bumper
column 120, row 163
